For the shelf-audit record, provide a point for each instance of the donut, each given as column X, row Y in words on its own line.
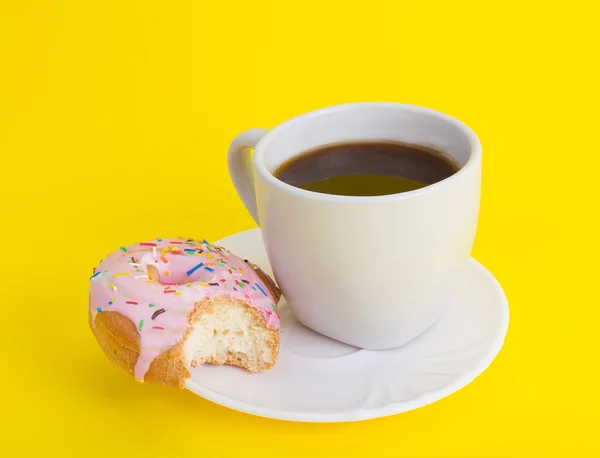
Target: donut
column 161, row 307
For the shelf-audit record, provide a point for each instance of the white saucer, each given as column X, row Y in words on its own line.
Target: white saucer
column 317, row 379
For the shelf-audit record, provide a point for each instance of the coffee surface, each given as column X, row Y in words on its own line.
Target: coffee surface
column 366, row 168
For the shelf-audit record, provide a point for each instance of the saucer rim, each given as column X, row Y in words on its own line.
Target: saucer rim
column 394, row 408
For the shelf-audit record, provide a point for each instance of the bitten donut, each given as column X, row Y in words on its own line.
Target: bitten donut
column 160, row 307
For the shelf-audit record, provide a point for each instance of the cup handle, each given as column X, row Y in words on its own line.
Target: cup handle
column 241, row 169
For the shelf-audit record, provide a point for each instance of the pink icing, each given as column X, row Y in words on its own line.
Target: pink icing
column 121, row 284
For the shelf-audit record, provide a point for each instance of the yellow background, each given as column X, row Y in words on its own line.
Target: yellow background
column 115, row 118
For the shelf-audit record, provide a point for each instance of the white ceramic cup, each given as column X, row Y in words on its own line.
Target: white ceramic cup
column 373, row 272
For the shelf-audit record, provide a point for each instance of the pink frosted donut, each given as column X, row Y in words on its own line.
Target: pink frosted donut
column 158, row 308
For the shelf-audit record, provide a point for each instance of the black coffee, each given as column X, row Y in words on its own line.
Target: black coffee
column 366, row 168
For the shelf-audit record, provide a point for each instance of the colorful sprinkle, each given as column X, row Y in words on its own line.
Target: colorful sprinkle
column 241, row 284
column 178, row 293
column 122, row 274
column 245, row 281
column 148, row 244
column 158, row 312
column 131, row 302
column 261, row 290
column 159, row 240
column 189, row 250
column 159, row 328
column 205, row 242
column 105, row 272
column 213, row 284
column 123, row 249
column 176, row 243
column 151, row 305
column 167, row 273
column 194, row 269
column 166, row 291
column 154, row 252
column 113, row 287
column 98, row 309
column 210, row 269
column 95, row 275
column 141, row 325
column 143, row 277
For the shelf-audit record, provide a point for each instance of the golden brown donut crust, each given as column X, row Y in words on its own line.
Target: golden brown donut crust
column 120, row 341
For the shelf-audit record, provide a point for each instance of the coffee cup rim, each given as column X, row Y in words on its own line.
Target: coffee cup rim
column 261, row 169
